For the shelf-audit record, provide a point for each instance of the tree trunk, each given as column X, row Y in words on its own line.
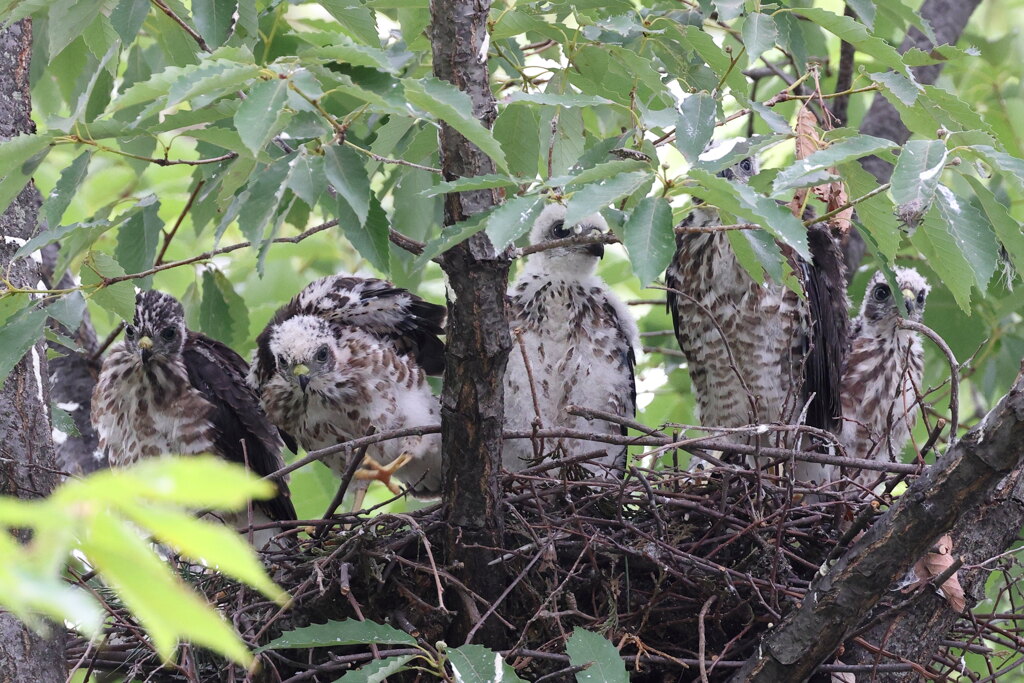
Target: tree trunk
column 948, row 493
column 27, row 465
column 472, row 403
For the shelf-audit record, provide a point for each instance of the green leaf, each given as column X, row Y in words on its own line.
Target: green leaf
column 17, row 335
column 450, row 236
column 759, row 35
column 917, row 173
column 601, row 171
column 875, row 215
column 180, row 77
column 594, row 651
column 1009, row 165
column 356, row 55
column 214, row 19
column 477, row 182
column 357, row 21
column 649, row 238
column 808, row 171
column 371, row 237
column 307, row 178
column 18, row 150
column 471, row 663
column 696, row 125
column 127, row 18
column 117, row 298
column 260, row 117
column 259, row 202
column 454, row 107
column 62, row 421
column 758, row 253
column 972, row 232
column 211, row 543
column 513, row 219
column 597, row 195
column 60, row 197
column 138, row 237
column 335, row 633
column 347, row 174
column 742, row 149
column 904, row 89
column 865, row 10
column 937, row 244
column 376, row 671
column 1006, row 228
column 67, row 19
column 516, row 131
column 567, row 100
column 164, row 606
column 223, row 314
column 208, row 80
column 856, row 34
column 728, row 9
column 743, row 201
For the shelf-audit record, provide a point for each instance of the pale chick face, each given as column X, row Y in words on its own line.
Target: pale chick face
column 880, row 304
column 305, row 352
column 550, row 225
column 741, row 171
column 158, row 329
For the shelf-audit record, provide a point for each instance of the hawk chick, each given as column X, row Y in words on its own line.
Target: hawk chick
column 165, row 389
column 347, row 356
column 579, row 340
column 883, row 371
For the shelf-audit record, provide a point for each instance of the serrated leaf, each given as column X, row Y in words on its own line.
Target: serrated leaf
column 728, row 9
column 875, row 215
column 598, row 655
column 649, row 238
column 601, row 171
column 904, row 89
column 357, row 21
column 1011, row 166
column 164, row 606
column 127, row 18
column 450, row 236
column 223, row 314
column 938, row 246
column 567, row 100
column 597, row 195
column 209, row 79
column 371, row 237
column 62, row 421
column 335, row 633
column 347, row 174
column 972, row 232
column 16, row 151
column 215, row 545
column 160, row 84
column 743, row 201
column 516, row 131
column 759, row 35
column 758, row 253
column 17, row 335
column 137, row 239
column 803, row 172
column 776, row 122
column 1006, row 228
column 258, row 204
column 865, row 10
column 454, row 107
column 478, row 182
column 471, row 663
column 695, row 125
column 513, row 219
column 376, row 671
column 855, row 33
column 260, row 117
column 357, row 55
column 60, row 197
column 307, row 178
column 214, row 19
column 917, row 173
column 118, row 298
column 67, row 19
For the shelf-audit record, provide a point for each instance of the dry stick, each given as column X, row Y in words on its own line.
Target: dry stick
column 575, row 240
column 504, row 594
column 538, row 421
column 954, row 371
column 339, row 495
column 701, row 638
column 430, row 556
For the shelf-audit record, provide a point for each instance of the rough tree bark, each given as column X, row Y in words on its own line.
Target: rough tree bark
column 948, row 19
column 472, row 402
column 954, row 486
column 26, row 452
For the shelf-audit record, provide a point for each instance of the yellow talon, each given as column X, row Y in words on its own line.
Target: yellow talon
column 374, row 471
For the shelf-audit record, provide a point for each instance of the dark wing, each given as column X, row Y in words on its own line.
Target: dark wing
column 674, row 274
column 825, row 282
column 219, row 373
column 389, row 313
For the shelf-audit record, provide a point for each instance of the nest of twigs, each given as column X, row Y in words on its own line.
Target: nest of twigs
column 683, row 574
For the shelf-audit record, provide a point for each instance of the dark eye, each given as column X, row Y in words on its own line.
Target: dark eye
column 881, row 293
column 920, row 298
column 559, row 230
column 746, row 165
column 321, row 354
column 129, row 332
column 167, row 334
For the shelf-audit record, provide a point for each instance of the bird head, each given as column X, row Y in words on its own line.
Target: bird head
column 550, row 225
column 880, row 303
column 158, row 329
column 304, row 351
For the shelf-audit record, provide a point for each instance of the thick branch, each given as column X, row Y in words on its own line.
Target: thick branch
column 836, row 602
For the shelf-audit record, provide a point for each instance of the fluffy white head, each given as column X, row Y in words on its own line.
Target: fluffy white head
column 879, row 303
column 578, row 259
column 299, row 340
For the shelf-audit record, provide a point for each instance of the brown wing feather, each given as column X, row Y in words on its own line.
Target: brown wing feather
column 219, row 373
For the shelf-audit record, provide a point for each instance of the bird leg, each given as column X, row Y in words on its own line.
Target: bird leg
column 372, row 470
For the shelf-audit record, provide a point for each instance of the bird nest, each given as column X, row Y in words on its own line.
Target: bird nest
column 683, row 574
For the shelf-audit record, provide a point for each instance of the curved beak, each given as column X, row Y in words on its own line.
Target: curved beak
column 908, row 299
column 146, row 348
column 301, row 373
column 596, row 250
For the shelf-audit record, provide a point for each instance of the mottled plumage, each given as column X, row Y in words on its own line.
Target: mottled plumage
column 165, row 389
column 348, row 355
column 757, row 353
column 580, row 341
column 883, row 372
